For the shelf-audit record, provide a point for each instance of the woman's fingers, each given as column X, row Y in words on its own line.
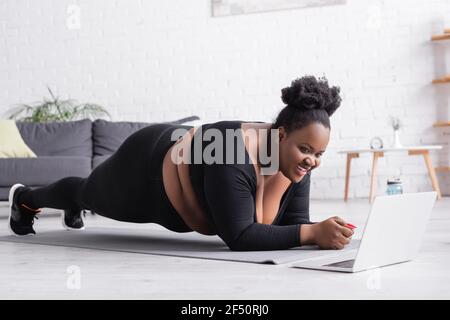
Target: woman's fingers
column 346, row 241
column 343, row 227
column 340, row 221
column 341, row 243
column 346, row 232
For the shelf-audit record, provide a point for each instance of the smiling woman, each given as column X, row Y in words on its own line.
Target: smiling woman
column 248, row 208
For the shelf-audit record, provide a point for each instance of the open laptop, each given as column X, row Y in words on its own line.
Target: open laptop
column 392, row 234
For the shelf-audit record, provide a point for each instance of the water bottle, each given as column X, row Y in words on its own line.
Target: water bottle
column 394, row 186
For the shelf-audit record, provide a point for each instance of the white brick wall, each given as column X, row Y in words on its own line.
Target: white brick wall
column 160, row 60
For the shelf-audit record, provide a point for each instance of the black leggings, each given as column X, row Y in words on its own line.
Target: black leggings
column 128, row 186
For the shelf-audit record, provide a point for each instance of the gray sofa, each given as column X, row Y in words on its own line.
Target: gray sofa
column 65, row 149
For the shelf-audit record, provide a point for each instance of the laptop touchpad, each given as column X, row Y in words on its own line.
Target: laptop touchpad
column 342, row 264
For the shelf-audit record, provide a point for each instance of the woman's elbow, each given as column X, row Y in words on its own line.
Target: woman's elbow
column 238, row 245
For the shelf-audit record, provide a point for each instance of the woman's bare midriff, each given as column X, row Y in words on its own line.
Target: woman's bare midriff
column 180, row 192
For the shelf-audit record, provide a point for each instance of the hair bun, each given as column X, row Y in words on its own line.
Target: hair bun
column 308, row 93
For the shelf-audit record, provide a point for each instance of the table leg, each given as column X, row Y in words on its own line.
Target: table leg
column 350, row 156
column 431, row 171
column 373, row 180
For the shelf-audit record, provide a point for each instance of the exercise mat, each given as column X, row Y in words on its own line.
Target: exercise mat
column 168, row 243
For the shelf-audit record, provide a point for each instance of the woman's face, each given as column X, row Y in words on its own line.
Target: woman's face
column 302, row 148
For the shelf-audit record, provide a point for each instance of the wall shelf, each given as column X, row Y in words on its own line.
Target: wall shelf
column 439, row 37
column 442, row 124
column 445, row 79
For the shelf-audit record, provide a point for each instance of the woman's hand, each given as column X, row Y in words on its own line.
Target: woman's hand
column 328, row 234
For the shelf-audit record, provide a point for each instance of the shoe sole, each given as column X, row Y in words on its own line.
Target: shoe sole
column 65, row 226
column 10, row 199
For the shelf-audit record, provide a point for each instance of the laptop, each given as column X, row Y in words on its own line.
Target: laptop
column 392, row 234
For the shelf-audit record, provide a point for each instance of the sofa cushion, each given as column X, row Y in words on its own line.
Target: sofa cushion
column 107, row 136
column 99, row 159
column 72, row 138
column 42, row 170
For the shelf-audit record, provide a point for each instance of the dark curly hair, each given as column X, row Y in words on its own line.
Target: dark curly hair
column 307, row 100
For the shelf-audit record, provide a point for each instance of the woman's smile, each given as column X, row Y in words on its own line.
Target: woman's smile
column 301, row 171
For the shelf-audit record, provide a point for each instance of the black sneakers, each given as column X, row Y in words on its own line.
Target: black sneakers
column 72, row 219
column 21, row 217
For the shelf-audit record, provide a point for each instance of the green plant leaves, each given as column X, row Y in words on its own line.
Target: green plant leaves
column 55, row 109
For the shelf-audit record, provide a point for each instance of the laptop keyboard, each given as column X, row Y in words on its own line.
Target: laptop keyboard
column 342, row 264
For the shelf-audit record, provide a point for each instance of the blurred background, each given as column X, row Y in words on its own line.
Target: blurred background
column 222, row 60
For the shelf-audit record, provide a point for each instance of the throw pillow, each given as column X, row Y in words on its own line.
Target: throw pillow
column 11, row 142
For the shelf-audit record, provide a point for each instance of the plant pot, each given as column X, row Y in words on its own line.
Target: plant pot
column 396, row 143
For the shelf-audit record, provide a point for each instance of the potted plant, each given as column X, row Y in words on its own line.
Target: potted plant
column 56, row 109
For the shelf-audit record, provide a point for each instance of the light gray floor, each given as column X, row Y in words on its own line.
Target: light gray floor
column 48, row 272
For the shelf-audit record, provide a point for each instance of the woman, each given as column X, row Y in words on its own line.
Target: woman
column 144, row 180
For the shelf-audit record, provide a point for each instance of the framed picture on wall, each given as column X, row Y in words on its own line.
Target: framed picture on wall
column 232, row 7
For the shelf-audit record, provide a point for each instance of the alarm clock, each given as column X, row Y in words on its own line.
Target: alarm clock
column 376, row 143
